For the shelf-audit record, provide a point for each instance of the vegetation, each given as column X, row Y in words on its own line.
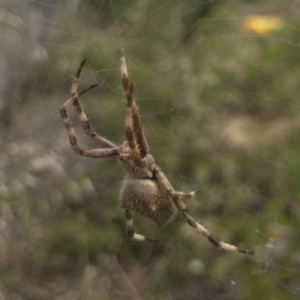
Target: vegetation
column 219, row 107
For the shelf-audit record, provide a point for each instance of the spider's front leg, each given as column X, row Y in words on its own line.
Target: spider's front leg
column 96, row 153
column 81, row 115
column 110, row 149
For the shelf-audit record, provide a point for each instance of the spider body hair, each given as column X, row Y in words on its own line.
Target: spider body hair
column 145, row 197
column 140, row 191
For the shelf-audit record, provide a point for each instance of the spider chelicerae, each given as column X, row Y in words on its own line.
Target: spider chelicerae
column 145, row 188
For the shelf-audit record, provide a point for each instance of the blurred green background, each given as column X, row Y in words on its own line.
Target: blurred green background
column 218, row 95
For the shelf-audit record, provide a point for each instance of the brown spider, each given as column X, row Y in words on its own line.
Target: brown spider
column 145, row 188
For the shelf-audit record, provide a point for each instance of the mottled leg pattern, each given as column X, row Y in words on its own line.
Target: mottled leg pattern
column 82, row 116
column 130, row 230
column 167, row 187
column 96, row 153
column 212, row 239
column 134, row 130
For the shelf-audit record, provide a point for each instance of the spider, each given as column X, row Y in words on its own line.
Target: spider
column 145, row 189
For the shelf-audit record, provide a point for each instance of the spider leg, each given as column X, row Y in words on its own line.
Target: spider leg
column 181, row 195
column 99, row 153
column 82, row 116
column 130, row 231
column 167, row 187
column 132, row 110
column 212, row 239
column 96, row 153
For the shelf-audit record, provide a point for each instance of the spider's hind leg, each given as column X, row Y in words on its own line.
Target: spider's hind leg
column 130, row 231
column 176, row 197
column 212, row 239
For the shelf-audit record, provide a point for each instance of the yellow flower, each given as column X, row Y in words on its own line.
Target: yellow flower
column 262, row 25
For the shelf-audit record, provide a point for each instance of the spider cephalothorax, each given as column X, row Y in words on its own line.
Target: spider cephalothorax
column 145, row 188
column 132, row 169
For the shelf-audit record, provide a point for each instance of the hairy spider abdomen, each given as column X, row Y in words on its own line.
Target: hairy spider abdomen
column 145, row 197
